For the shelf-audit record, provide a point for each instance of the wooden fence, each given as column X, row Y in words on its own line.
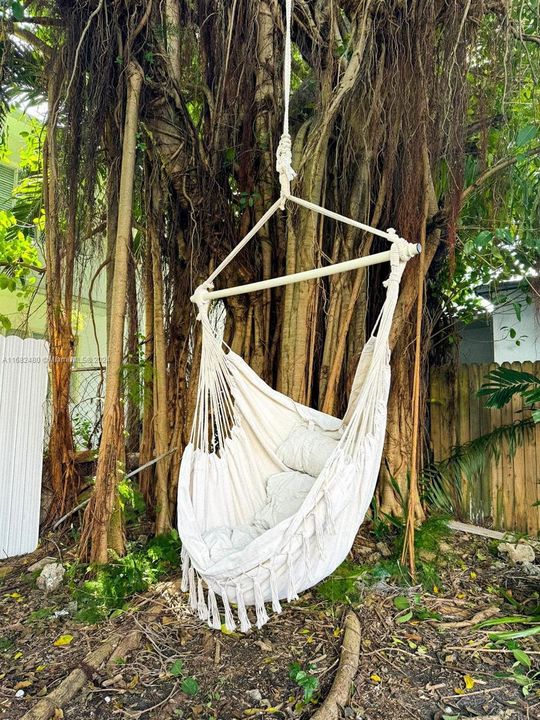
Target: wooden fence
column 504, row 495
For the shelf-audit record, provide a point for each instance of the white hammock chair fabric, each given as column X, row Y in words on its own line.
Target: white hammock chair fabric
column 272, row 493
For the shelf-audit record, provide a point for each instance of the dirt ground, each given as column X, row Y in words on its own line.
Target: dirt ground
column 432, row 665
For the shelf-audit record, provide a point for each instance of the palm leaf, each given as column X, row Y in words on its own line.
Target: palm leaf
column 443, row 480
column 503, row 383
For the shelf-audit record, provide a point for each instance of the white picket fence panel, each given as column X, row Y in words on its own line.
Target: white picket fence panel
column 23, row 392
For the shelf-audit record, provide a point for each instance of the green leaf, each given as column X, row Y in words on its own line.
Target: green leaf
column 176, row 668
column 401, row 602
column 508, row 620
column 526, row 134
column 294, row 669
column 522, row 658
column 405, row 618
column 190, row 686
column 483, row 238
column 499, row 637
column 17, row 11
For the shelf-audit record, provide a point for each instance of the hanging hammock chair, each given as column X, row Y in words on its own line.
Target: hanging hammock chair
column 271, row 493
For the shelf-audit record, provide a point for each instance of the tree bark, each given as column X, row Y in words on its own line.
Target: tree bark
column 63, row 472
column 146, row 451
column 96, row 534
column 161, row 420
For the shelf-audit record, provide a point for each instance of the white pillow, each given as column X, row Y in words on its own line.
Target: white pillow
column 286, row 492
column 306, row 450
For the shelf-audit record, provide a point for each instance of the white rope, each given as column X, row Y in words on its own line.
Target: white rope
column 234, row 252
column 284, row 150
column 390, row 234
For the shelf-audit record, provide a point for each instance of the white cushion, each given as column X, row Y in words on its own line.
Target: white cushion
column 306, row 450
column 221, row 541
column 286, row 492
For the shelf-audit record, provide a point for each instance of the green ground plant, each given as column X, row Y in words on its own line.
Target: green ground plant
column 344, row 585
column 109, row 588
column 305, row 680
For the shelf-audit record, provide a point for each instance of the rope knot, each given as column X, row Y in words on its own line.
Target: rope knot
column 401, row 252
column 284, row 163
column 201, row 301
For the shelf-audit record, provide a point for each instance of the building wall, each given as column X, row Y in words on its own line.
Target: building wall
column 489, row 339
column 476, row 345
column 525, row 346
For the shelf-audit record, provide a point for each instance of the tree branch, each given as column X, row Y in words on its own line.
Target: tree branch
column 33, row 40
column 23, row 265
column 483, row 123
column 516, row 32
column 39, row 20
column 494, row 170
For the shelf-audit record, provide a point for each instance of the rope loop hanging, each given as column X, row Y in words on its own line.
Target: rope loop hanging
column 284, row 150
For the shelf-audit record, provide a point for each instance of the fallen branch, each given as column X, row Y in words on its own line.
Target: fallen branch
column 476, row 530
column 348, row 665
column 84, row 503
column 126, row 646
column 69, row 687
column 479, row 617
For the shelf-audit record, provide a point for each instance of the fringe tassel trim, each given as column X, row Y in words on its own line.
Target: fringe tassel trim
column 262, row 615
column 229, row 617
column 214, row 618
column 201, row 604
column 245, row 625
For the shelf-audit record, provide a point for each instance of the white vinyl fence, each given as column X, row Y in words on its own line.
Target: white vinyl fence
column 23, row 391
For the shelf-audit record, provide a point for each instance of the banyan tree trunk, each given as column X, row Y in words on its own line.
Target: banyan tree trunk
column 99, row 533
column 59, row 291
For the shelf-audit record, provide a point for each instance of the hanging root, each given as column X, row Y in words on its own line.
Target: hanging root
column 348, row 665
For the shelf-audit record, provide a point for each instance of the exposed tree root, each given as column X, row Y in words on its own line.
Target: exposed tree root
column 348, row 665
column 116, row 647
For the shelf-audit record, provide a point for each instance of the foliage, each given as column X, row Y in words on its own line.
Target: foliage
column 442, row 481
column 410, row 608
column 19, row 257
column 344, row 585
column 83, row 430
column 189, row 685
column 131, row 500
column 503, row 383
column 17, row 254
column 499, row 224
column 111, row 586
column 522, row 671
column 305, row 679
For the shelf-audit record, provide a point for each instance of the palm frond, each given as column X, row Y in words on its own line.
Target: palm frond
column 503, row 383
column 443, row 481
